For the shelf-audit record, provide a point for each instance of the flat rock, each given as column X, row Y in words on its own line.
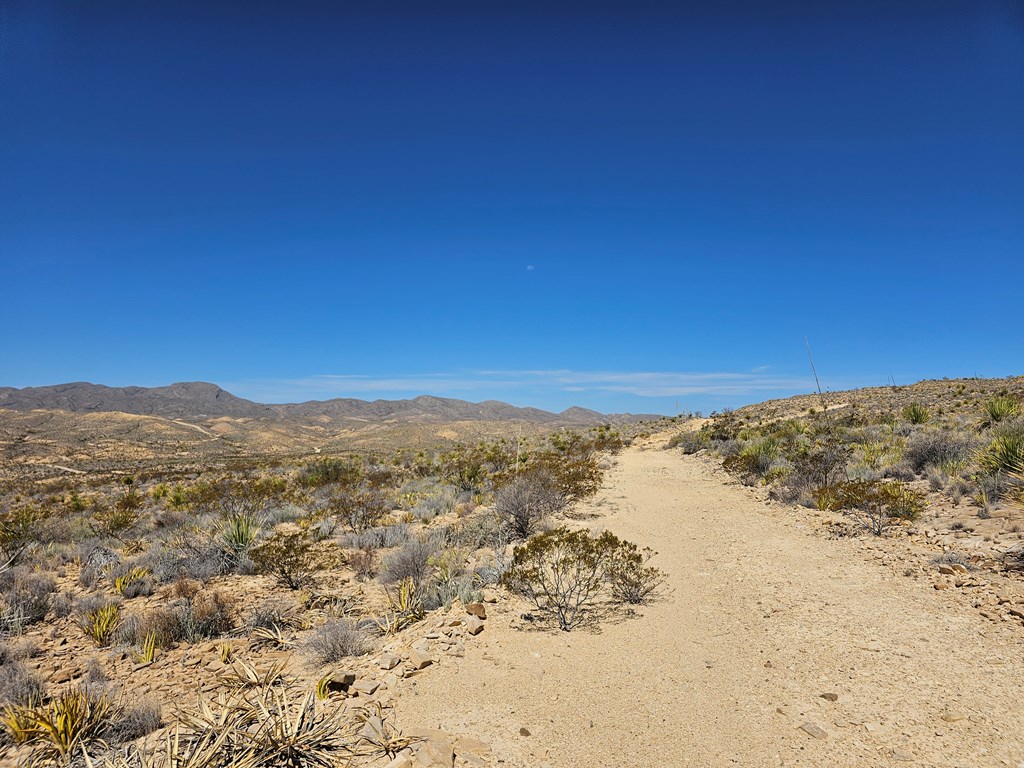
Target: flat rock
column 811, row 729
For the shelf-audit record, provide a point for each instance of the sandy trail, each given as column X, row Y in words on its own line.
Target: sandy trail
column 762, row 619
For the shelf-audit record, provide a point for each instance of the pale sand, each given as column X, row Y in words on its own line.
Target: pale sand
column 762, row 615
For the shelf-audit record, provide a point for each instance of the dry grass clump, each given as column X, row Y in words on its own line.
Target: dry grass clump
column 336, row 640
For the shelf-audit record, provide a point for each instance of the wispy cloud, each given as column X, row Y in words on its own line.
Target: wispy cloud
column 482, row 383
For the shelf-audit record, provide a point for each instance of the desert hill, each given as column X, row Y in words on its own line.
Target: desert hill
column 197, row 400
column 90, row 427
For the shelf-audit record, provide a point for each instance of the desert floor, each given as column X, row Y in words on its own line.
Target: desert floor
column 763, row 616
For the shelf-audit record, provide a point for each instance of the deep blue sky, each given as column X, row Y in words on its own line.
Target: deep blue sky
column 617, row 204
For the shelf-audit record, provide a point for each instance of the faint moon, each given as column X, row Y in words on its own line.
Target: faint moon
column 529, row 268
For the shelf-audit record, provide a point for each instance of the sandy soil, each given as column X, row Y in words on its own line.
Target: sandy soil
column 762, row 619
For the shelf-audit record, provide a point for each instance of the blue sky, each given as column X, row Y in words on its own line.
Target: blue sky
column 617, row 205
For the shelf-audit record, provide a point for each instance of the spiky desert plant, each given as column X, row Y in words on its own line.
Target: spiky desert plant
column 100, row 623
column 239, row 533
column 377, row 733
column 405, row 608
column 916, row 413
column 147, row 650
column 1000, row 408
column 241, row 674
column 67, row 725
column 126, row 580
column 1004, row 453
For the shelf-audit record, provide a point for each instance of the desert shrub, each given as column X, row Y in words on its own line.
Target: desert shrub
column 690, row 442
column 336, row 640
column 440, row 501
column 575, row 476
column 385, row 537
column 916, row 413
column 529, row 499
column 133, row 721
column 364, row 562
column 20, row 526
column 18, row 685
column 275, row 613
column 631, row 579
column 293, row 558
column 361, row 509
column 875, row 505
column 331, row 471
column 1005, row 451
column 1001, row 408
column 410, row 561
column 209, row 614
column 29, row 593
column 61, row 604
column 188, row 553
column 935, row 447
column 563, row 571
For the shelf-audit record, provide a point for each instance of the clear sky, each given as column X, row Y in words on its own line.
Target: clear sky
column 620, row 205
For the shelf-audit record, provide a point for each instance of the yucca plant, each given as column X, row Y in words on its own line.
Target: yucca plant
column 125, row 580
column 1004, row 453
column 405, row 608
column 64, row 727
column 377, row 733
column 1000, row 408
column 147, row 651
column 916, row 413
column 245, row 675
column 239, row 533
column 100, row 623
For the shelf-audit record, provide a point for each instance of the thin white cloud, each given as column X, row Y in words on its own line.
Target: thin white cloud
column 483, row 382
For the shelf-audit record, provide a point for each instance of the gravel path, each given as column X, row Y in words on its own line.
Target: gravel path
column 762, row 618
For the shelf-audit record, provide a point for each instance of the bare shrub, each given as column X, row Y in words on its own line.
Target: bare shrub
column 364, row 562
column 336, row 640
column 135, row 721
column 528, row 500
column 19, row 685
column 29, row 593
column 293, row 558
column 411, row 561
column 934, row 447
column 385, row 537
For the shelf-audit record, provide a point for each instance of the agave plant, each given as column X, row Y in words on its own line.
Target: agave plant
column 70, row 723
column 100, row 623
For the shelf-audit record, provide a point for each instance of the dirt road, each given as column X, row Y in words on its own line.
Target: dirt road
column 762, row 619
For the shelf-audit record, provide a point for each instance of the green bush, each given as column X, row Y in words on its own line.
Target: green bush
column 916, row 413
column 563, row 572
column 1005, row 452
column 1001, row 408
column 293, row 558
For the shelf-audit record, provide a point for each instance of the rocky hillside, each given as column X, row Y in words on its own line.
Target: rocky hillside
column 197, row 400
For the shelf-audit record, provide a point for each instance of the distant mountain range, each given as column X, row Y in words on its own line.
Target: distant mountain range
column 201, row 401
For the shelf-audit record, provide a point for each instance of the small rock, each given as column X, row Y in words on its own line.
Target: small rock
column 420, row 659
column 830, row 696
column 474, row 626
column 389, row 661
column 524, row 731
column 953, row 717
column 901, row 754
column 365, row 687
column 477, row 609
column 814, row 730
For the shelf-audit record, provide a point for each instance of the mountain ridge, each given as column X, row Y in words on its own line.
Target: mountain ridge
column 204, row 400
